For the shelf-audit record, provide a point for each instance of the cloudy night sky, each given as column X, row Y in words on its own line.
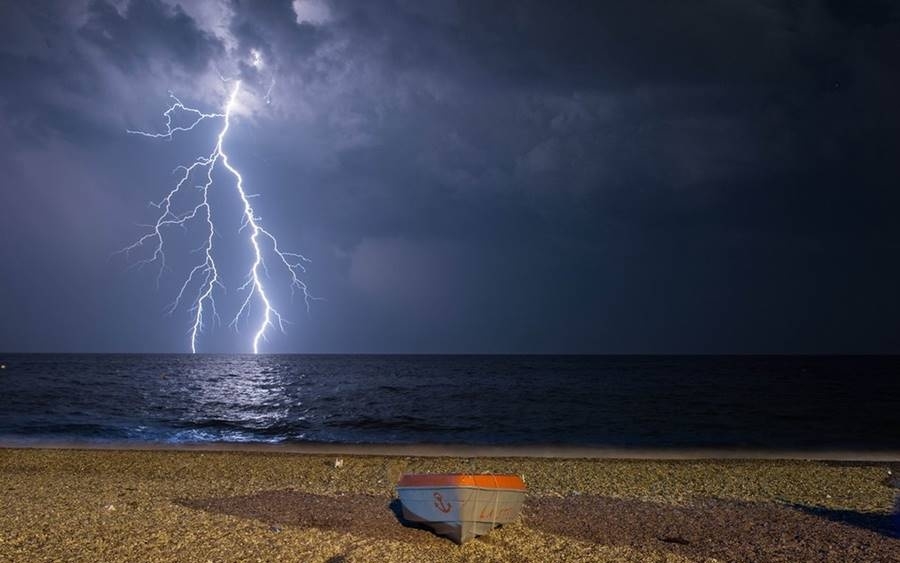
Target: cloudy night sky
column 485, row 177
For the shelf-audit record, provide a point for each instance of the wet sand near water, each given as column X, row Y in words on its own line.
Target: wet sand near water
column 196, row 505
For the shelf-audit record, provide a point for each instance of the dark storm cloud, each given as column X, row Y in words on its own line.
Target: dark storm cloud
column 148, row 31
column 272, row 27
column 576, row 44
column 478, row 176
column 628, row 102
column 57, row 61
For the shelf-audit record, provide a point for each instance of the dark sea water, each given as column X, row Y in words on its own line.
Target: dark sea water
column 613, row 401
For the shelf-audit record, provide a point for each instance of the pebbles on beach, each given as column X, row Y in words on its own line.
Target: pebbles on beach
column 239, row 506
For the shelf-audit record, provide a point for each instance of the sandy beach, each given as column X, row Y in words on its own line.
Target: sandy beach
column 203, row 505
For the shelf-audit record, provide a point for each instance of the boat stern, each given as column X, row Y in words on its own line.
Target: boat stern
column 461, row 506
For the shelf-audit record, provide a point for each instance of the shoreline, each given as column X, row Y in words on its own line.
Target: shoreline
column 549, row 451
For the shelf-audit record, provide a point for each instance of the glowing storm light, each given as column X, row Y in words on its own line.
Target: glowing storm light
column 206, row 273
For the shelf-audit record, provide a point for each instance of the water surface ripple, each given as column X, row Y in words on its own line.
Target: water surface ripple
column 607, row 401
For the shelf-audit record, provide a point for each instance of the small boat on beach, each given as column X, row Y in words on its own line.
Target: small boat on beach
column 461, row 506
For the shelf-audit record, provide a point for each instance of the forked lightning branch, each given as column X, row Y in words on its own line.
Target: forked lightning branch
column 197, row 293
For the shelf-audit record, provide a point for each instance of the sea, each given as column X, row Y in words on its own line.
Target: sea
column 732, row 402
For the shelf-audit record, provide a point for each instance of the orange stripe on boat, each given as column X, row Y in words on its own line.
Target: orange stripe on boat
column 485, row 481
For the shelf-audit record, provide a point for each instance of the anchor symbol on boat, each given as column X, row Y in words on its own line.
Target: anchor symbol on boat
column 439, row 503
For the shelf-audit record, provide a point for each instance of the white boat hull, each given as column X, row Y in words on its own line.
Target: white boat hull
column 460, row 512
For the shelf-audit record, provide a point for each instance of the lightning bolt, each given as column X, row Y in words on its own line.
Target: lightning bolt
column 205, row 274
